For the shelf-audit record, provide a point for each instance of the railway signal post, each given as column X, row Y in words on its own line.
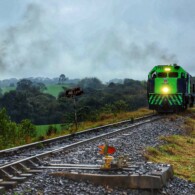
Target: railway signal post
column 72, row 93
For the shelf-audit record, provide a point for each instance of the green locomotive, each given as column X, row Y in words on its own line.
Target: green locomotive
column 170, row 88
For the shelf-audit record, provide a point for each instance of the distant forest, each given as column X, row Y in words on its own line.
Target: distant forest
column 28, row 100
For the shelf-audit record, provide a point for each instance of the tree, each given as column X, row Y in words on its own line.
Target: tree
column 17, row 105
column 121, row 105
column 12, row 134
column 8, row 130
column 62, row 79
column 29, row 87
column 45, row 109
column 4, row 119
column 24, row 85
column 111, row 85
column 27, row 128
column 1, row 92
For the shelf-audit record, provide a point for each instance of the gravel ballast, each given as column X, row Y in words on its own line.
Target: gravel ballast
column 130, row 143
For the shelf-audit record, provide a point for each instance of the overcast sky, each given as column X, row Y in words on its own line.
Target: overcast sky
column 95, row 38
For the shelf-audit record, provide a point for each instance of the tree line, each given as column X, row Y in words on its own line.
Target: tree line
column 28, row 101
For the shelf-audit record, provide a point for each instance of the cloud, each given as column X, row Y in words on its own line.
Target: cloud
column 92, row 38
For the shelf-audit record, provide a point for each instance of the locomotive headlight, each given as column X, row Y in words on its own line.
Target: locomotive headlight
column 165, row 90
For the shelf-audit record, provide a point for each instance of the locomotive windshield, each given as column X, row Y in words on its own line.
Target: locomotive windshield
column 173, row 74
column 162, row 75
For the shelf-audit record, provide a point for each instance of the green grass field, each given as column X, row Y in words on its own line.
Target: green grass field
column 51, row 89
column 54, row 89
column 42, row 129
column 7, row 89
column 105, row 119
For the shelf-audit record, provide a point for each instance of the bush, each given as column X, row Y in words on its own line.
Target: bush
column 51, row 130
column 13, row 134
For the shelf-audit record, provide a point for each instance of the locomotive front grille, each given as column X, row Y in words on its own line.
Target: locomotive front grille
column 161, row 99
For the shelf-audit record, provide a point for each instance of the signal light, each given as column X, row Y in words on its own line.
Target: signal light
column 74, row 92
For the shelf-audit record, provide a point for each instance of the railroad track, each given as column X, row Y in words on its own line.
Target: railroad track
column 27, row 159
column 21, row 152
